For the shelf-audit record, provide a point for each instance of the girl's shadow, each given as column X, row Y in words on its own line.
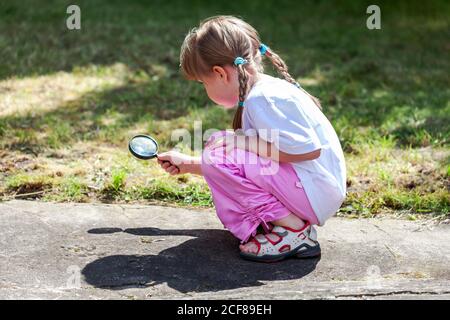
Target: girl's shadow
column 209, row 262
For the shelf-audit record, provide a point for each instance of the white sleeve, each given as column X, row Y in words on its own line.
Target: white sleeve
column 283, row 124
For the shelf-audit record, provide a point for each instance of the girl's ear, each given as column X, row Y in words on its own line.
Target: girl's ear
column 221, row 73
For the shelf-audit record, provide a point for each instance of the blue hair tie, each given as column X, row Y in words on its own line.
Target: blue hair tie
column 239, row 60
column 241, row 103
column 297, row 85
column 263, row 49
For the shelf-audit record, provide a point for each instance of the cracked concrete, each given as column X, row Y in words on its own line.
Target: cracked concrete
column 86, row 251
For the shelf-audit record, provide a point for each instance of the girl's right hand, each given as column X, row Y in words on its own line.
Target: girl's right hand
column 174, row 162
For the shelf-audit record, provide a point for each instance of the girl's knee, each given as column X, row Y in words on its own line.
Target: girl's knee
column 210, row 161
column 218, row 161
column 210, row 157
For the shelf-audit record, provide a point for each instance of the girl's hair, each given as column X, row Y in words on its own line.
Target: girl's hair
column 217, row 42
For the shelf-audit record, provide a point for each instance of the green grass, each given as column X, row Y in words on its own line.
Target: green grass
column 70, row 100
column 188, row 194
column 72, row 189
column 32, row 184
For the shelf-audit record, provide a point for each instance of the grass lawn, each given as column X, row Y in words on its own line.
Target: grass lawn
column 70, row 100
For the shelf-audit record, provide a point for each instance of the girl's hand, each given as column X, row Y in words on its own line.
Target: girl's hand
column 228, row 142
column 174, row 162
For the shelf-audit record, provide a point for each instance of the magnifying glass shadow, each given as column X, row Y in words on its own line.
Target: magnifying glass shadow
column 208, row 262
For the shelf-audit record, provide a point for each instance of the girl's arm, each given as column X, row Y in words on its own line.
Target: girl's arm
column 177, row 163
column 266, row 149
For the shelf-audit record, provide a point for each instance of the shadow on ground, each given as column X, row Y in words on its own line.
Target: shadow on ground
column 209, row 262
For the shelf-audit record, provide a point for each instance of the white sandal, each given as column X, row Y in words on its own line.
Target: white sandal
column 290, row 242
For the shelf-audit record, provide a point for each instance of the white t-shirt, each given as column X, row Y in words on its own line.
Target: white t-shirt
column 274, row 103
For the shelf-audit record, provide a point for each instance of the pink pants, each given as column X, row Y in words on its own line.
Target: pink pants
column 245, row 198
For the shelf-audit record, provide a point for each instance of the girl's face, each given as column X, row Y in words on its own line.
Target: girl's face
column 222, row 86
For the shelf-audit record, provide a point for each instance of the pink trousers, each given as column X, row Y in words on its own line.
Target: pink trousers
column 248, row 190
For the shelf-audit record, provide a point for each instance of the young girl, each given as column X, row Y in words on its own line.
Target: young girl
column 283, row 127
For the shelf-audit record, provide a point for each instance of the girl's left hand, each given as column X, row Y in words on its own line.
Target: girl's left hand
column 229, row 141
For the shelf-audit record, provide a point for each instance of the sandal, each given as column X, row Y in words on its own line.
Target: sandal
column 290, row 242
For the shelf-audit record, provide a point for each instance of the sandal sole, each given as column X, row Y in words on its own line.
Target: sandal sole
column 310, row 252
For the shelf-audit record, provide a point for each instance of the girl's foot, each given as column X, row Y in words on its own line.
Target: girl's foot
column 289, row 242
column 291, row 221
column 251, row 247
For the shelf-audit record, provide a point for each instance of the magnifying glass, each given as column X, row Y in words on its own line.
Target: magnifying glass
column 143, row 147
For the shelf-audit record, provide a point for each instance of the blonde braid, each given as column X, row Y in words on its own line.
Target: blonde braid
column 243, row 86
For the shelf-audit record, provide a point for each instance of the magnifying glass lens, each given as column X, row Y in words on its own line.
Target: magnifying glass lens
column 143, row 147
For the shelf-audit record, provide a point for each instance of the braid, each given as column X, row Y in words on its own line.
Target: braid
column 282, row 68
column 243, row 85
column 280, row 65
column 237, row 121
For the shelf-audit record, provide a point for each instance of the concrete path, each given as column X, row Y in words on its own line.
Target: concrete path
column 84, row 251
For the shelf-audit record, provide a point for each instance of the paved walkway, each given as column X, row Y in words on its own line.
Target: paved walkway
column 85, row 251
